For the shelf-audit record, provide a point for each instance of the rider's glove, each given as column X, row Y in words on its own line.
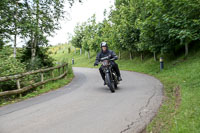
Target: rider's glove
column 95, row 64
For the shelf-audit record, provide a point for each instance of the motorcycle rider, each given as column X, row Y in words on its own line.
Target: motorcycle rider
column 106, row 52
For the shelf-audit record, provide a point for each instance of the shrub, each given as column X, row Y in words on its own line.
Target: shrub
column 9, row 66
column 41, row 60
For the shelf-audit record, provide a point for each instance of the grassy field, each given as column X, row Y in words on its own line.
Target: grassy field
column 180, row 111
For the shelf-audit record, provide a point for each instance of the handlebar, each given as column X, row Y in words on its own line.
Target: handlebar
column 107, row 58
column 104, row 58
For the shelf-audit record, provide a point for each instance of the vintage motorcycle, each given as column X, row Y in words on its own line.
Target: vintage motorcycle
column 110, row 75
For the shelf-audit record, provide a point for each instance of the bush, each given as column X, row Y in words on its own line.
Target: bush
column 34, row 65
column 9, row 66
column 41, row 60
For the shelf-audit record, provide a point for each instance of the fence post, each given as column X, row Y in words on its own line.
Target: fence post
column 63, row 69
column 66, row 67
column 42, row 79
column 161, row 63
column 52, row 73
column 59, row 71
column 18, row 86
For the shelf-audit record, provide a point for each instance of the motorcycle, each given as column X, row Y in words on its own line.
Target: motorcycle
column 110, row 75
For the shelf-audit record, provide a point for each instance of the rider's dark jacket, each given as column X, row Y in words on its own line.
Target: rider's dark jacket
column 102, row 54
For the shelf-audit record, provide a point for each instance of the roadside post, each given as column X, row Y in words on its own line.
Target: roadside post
column 161, row 63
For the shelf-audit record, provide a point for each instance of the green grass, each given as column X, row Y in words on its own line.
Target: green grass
column 180, row 111
column 52, row 85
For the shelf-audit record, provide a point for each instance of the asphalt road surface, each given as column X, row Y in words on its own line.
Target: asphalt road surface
column 87, row 106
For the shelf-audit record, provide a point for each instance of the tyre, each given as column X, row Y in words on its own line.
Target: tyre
column 115, row 80
column 110, row 83
column 115, row 85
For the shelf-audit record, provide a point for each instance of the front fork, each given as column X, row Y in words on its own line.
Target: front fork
column 109, row 72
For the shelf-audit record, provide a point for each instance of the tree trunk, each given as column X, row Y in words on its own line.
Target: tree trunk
column 69, row 50
column 33, row 49
column 141, row 56
column 15, row 35
column 186, row 49
column 88, row 54
column 35, row 40
column 154, row 55
column 32, row 53
column 85, row 53
column 15, row 44
column 119, row 55
column 131, row 58
column 80, row 51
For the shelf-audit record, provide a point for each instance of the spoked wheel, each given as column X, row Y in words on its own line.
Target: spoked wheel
column 110, row 83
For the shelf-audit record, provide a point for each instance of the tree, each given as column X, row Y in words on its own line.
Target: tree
column 78, row 37
column 4, row 23
column 41, row 20
column 86, row 35
column 183, row 20
column 32, row 19
column 124, row 17
column 145, row 26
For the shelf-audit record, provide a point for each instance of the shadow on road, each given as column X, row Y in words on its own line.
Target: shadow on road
column 105, row 89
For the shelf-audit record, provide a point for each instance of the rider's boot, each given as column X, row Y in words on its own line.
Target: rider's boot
column 104, row 82
column 119, row 78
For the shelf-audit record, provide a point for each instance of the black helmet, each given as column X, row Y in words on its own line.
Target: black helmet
column 104, row 44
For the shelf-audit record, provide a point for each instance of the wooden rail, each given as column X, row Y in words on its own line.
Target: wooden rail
column 17, row 78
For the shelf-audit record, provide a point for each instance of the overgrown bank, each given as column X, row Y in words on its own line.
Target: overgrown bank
column 22, row 63
column 50, row 86
column 180, row 111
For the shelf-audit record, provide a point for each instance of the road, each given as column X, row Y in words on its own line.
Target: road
column 86, row 106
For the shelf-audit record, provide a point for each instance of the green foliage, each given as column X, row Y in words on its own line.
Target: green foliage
column 86, row 35
column 42, row 58
column 1, row 43
column 9, row 66
column 143, row 26
column 77, row 40
column 34, row 20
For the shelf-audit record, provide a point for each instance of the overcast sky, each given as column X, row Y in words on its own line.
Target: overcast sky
column 80, row 13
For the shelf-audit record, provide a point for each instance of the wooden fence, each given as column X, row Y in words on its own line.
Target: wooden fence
column 62, row 72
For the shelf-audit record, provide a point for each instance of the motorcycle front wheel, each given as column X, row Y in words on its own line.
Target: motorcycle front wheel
column 115, row 85
column 110, row 83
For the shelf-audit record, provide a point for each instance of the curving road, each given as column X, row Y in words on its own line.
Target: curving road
column 86, row 106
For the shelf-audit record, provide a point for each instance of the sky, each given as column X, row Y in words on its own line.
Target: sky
column 80, row 12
